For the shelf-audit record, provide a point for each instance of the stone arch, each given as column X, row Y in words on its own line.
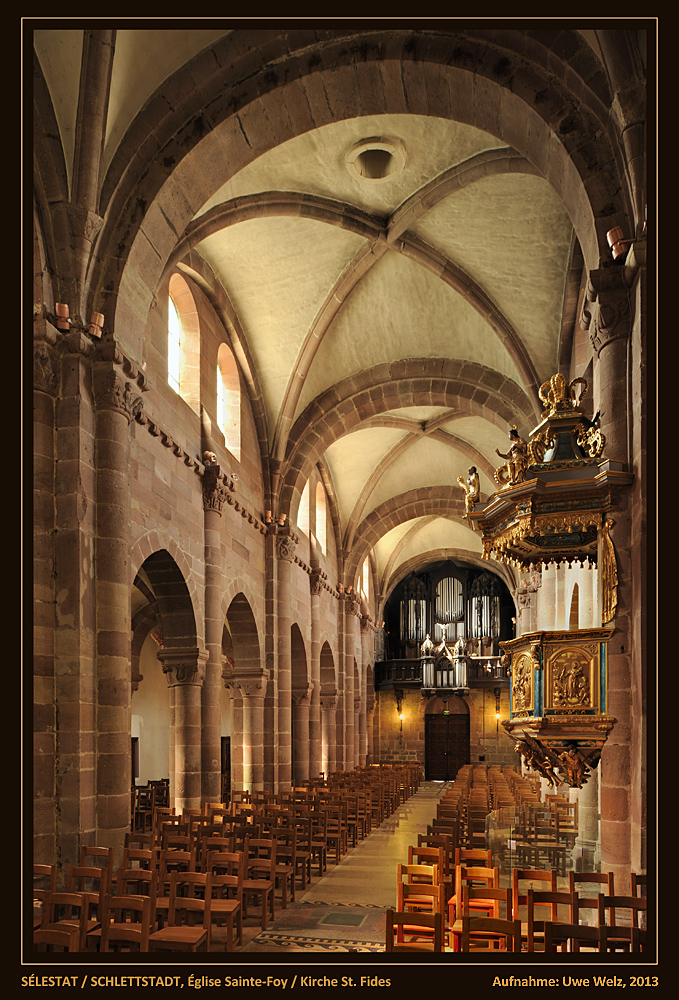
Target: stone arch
column 328, row 671
column 298, row 660
column 535, row 111
column 244, row 635
column 156, row 541
column 173, row 600
column 506, row 573
column 443, row 382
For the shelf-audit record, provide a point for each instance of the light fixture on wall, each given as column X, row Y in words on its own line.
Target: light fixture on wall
column 62, row 311
column 618, row 244
column 398, row 694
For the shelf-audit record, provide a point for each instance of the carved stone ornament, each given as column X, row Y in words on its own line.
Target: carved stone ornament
column 302, row 697
column 183, row 666
column 215, row 491
column 606, row 311
column 112, row 391
column 45, row 368
column 329, row 702
column 285, row 547
column 315, row 584
column 572, row 767
column 244, row 685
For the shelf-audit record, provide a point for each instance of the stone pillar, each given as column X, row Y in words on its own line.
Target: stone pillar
column 46, row 382
column 561, row 612
column 285, row 551
column 248, row 771
column 184, row 669
column 214, row 494
column 329, row 734
column 315, row 739
column 587, row 842
column 301, row 704
column 607, row 315
column 351, row 613
column 117, row 402
column 365, row 663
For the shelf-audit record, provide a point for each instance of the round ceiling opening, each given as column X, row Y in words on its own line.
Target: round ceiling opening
column 376, row 159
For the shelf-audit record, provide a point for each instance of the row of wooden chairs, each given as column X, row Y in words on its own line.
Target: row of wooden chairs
column 426, row 885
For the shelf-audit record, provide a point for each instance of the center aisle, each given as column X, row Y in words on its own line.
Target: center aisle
column 344, row 910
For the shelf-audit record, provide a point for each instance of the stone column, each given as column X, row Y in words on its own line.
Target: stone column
column 587, row 842
column 607, row 316
column 315, row 740
column 285, row 551
column 248, row 771
column 214, row 494
column 117, row 402
column 46, row 383
column 328, row 734
column 366, row 662
column 301, row 704
column 351, row 612
column 184, row 669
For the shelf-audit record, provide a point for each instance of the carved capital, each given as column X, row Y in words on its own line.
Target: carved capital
column 302, row 696
column 285, row 548
column 315, row 584
column 183, row 665
column 606, row 311
column 214, row 489
column 112, row 391
column 329, row 703
column 247, row 685
column 46, row 368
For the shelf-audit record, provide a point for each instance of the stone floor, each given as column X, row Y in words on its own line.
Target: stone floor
column 344, row 910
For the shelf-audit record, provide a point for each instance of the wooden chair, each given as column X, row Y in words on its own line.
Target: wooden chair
column 474, row 877
column 589, row 899
column 126, row 923
column 419, row 876
column 619, row 936
column 68, row 911
column 570, row 937
column 472, row 927
column 188, row 922
column 44, row 881
column 424, row 932
column 170, row 862
column 546, row 879
column 638, row 884
column 227, row 872
column 260, row 875
column 141, row 883
column 56, row 939
column 480, row 901
column 540, row 898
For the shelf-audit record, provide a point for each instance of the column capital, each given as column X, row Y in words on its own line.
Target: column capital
column 183, row 665
column 285, row 548
column 302, row 696
column 215, row 490
column 46, row 367
column 247, row 684
column 606, row 309
column 316, row 582
column 113, row 391
column 328, row 702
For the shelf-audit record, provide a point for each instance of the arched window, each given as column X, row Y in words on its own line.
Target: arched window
column 365, row 578
column 228, row 399
column 303, row 512
column 484, row 607
column 321, row 517
column 183, row 342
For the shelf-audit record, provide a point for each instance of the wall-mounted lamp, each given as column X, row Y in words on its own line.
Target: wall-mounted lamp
column 267, row 517
column 618, row 244
column 96, row 324
column 398, row 694
column 63, row 322
column 282, row 519
column 497, row 709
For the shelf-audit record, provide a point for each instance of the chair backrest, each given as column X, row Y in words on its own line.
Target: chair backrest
column 609, row 908
column 491, row 893
column 126, row 920
column 190, row 896
column 227, row 872
column 419, row 896
column 511, row 929
column 638, row 885
column 476, row 855
column 545, row 877
column 418, row 874
column 72, row 906
column 428, row 856
column 56, row 938
column 97, row 857
column 540, row 900
column 44, row 880
column 570, row 937
column 429, row 924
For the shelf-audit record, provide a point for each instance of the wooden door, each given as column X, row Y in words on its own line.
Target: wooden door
column 446, row 746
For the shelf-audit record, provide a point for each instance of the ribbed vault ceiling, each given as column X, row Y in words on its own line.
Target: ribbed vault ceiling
column 461, row 254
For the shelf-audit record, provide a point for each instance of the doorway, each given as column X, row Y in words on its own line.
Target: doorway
column 446, row 746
